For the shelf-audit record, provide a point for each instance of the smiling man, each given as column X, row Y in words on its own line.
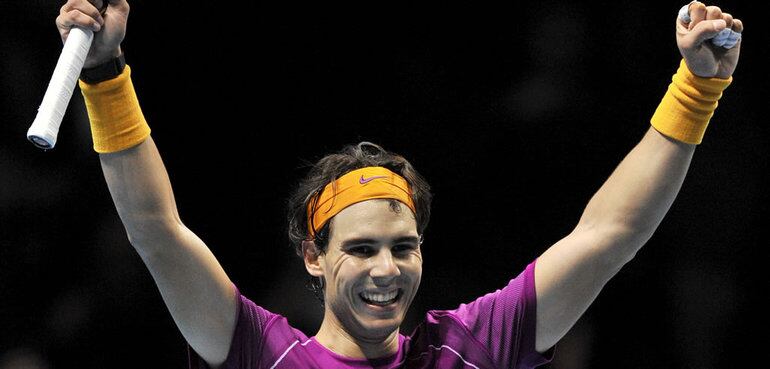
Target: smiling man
column 374, row 266
column 358, row 218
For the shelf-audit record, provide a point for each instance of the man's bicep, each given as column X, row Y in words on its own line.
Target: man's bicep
column 568, row 277
column 196, row 290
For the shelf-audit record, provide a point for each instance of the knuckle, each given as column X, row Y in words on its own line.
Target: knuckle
column 72, row 15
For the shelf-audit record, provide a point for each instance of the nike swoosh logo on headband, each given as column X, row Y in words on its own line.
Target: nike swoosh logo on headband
column 363, row 180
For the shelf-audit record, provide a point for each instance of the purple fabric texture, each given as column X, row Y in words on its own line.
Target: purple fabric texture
column 496, row 330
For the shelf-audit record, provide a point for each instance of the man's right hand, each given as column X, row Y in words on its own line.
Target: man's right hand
column 109, row 27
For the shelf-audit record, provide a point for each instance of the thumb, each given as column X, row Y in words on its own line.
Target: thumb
column 706, row 30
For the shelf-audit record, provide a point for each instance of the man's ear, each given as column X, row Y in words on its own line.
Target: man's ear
column 312, row 256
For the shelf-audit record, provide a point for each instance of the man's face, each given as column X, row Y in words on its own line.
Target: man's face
column 372, row 267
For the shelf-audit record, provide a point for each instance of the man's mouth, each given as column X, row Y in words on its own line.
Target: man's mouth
column 381, row 299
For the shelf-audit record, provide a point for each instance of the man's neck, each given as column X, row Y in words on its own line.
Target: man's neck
column 332, row 336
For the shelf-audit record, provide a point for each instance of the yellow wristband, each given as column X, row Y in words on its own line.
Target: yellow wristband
column 688, row 105
column 117, row 122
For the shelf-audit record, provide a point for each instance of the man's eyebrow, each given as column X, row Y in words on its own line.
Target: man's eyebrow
column 369, row 241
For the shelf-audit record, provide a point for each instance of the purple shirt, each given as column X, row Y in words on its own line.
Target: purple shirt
column 496, row 330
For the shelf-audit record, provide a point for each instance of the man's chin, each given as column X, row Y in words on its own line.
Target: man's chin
column 380, row 329
column 379, row 326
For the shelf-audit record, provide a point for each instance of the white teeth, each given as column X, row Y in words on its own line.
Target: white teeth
column 379, row 297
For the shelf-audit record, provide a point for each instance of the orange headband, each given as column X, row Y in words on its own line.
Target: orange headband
column 356, row 186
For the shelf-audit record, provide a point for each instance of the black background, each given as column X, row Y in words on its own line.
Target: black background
column 516, row 113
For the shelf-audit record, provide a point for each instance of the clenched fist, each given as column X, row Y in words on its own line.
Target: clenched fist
column 704, row 58
column 106, row 18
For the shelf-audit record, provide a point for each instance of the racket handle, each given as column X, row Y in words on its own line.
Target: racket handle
column 45, row 128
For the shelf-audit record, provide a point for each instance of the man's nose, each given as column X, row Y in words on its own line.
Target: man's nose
column 385, row 265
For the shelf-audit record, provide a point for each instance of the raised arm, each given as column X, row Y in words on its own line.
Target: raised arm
column 191, row 281
column 627, row 209
column 193, row 285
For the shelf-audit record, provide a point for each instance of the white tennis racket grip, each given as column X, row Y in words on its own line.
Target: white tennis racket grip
column 45, row 128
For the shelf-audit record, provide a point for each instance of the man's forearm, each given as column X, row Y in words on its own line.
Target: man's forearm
column 141, row 190
column 633, row 201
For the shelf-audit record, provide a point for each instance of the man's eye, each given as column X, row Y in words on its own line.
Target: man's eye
column 362, row 250
column 403, row 248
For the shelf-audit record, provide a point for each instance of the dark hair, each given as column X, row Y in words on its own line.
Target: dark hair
column 333, row 166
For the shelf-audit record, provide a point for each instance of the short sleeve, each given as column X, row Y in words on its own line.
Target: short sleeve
column 504, row 322
column 244, row 353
